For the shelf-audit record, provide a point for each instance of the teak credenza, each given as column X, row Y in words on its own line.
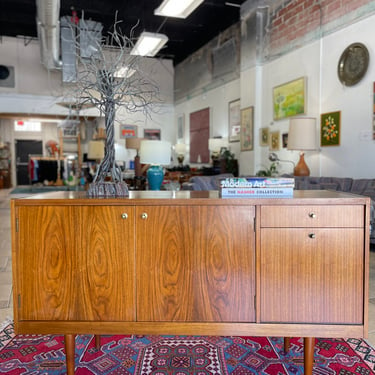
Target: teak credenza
column 191, row 263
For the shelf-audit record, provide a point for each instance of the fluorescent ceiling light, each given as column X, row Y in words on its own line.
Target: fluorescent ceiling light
column 124, row 72
column 149, row 44
column 177, row 8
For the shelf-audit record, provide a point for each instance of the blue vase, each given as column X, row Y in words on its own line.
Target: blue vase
column 155, row 176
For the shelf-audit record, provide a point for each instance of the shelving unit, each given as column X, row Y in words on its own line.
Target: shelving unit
column 5, row 166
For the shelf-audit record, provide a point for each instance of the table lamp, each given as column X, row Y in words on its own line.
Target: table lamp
column 156, row 153
column 120, row 153
column 180, row 149
column 215, row 145
column 302, row 137
column 95, row 150
column 135, row 144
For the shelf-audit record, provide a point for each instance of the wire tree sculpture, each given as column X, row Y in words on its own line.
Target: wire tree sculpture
column 108, row 79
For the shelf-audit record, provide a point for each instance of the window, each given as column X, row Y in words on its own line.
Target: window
column 27, row 126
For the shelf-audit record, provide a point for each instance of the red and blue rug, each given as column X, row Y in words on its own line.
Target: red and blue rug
column 180, row 355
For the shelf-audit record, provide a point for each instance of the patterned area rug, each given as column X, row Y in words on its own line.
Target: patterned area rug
column 180, row 355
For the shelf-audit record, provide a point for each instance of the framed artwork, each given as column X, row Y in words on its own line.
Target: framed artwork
column 275, row 141
column 247, row 126
column 330, row 128
column 128, row 131
column 285, row 140
column 152, row 134
column 289, row 99
column 180, row 126
column 234, row 113
column 263, row 137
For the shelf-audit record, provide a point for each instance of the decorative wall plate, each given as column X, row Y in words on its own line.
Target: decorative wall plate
column 353, row 64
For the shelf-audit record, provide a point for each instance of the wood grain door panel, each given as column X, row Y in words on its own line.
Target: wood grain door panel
column 312, row 280
column 105, row 265
column 45, row 278
column 77, row 263
column 195, row 264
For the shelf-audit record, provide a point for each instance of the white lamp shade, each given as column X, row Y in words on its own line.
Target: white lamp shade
column 177, row 8
column 302, row 134
column 215, row 144
column 180, row 148
column 120, row 152
column 155, row 152
column 95, row 150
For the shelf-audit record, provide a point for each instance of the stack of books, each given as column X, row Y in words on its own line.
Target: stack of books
column 257, row 187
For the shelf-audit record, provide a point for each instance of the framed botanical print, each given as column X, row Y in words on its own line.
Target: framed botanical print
column 263, row 137
column 234, row 114
column 247, row 126
column 275, row 141
column 330, row 129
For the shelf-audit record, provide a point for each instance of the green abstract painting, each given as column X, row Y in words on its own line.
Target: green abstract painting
column 289, row 99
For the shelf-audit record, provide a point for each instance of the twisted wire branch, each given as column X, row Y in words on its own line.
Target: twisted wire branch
column 99, row 85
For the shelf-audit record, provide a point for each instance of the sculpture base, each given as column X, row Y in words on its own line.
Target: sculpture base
column 108, row 189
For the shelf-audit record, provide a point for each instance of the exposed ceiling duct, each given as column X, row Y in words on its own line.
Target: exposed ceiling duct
column 48, row 25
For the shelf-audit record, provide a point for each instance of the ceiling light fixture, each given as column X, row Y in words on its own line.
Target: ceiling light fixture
column 177, row 8
column 124, row 72
column 149, row 44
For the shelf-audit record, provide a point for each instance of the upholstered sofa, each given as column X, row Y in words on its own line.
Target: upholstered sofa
column 356, row 186
column 362, row 186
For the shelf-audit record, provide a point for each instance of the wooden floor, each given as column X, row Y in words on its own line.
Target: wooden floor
column 6, row 304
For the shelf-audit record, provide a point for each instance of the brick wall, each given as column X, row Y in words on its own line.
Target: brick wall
column 299, row 21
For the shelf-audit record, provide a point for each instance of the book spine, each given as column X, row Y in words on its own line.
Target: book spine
column 257, row 182
column 281, row 192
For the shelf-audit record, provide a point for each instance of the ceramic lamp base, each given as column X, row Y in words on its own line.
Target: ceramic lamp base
column 155, row 176
column 301, row 169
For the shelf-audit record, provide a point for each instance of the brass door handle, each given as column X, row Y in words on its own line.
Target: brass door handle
column 312, row 215
column 312, row 235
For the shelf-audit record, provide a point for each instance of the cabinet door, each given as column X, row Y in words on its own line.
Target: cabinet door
column 45, row 276
column 195, row 263
column 312, row 275
column 76, row 263
column 105, row 264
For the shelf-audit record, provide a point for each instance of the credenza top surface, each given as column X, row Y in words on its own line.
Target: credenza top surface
column 188, row 197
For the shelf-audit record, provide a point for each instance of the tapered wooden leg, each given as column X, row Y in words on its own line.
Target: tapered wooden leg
column 97, row 342
column 286, row 344
column 70, row 345
column 309, row 343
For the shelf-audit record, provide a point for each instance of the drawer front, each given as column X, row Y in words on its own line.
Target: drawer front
column 312, row 216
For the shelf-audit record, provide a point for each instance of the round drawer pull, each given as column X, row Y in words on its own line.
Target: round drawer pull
column 312, row 215
column 311, row 235
column 144, row 216
column 124, row 216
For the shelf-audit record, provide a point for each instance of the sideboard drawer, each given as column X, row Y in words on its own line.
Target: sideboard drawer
column 312, row 216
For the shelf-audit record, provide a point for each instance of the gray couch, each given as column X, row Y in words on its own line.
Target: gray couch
column 362, row 186
column 356, row 186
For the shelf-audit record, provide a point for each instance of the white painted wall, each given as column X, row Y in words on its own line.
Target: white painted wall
column 37, row 91
column 318, row 62
column 217, row 100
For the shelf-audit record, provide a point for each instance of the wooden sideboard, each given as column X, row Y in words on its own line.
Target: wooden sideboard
column 191, row 263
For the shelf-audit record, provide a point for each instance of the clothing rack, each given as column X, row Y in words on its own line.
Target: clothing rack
column 43, row 168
